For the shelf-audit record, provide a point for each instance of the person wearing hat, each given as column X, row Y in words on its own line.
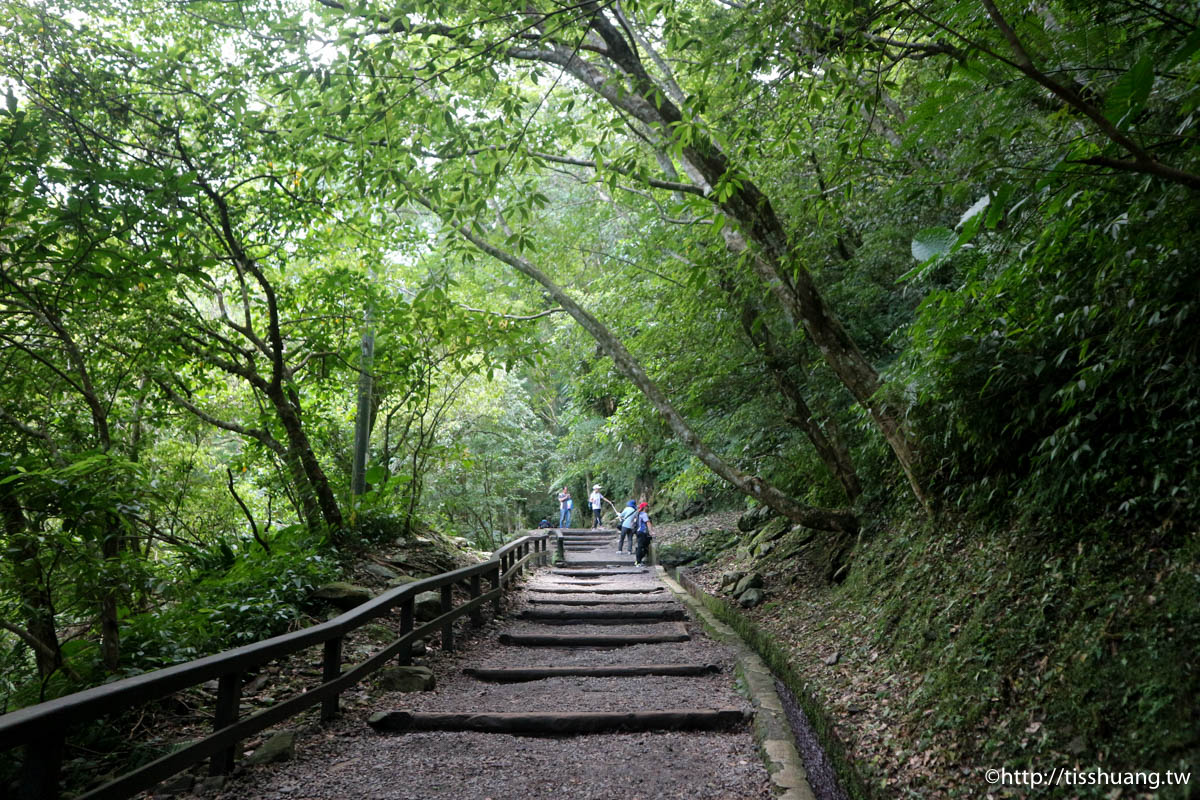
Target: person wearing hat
column 627, row 518
column 644, row 531
column 596, row 499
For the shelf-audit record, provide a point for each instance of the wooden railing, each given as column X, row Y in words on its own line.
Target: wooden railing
column 42, row 729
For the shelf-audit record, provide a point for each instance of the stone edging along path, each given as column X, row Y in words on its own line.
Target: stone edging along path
column 771, row 727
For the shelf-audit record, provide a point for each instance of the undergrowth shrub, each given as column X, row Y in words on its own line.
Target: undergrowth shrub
column 1065, row 373
column 258, row 596
column 1035, row 650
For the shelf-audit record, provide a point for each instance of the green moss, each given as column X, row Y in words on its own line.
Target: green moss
column 1036, row 647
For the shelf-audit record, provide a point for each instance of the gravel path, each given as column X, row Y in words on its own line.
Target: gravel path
column 347, row 760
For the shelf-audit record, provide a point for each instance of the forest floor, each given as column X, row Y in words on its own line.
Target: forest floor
column 860, row 690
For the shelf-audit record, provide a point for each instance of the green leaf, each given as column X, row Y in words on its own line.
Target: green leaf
column 933, row 242
column 1129, row 93
column 376, row 474
column 1186, row 51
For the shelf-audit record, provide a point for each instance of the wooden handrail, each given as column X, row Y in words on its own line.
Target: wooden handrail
column 42, row 728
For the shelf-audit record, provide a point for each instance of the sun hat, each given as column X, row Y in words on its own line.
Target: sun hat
column 631, row 504
column 597, row 486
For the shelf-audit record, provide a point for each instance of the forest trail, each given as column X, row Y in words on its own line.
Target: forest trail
column 617, row 693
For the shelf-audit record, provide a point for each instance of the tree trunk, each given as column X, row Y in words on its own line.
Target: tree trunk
column 365, row 415
column 831, row 451
column 740, row 200
column 110, row 629
column 762, row 491
column 36, row 604
column 316, row 496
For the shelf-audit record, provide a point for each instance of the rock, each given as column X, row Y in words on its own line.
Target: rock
column 773, row 530
column 427, row 606
column 731, row 577
column 280, row 747
column 754, row 518
column 407, row 679
column 751, row 581
column 419, row 648
column 460, row 541
column 765, row 548
column 379, row 633
column 833, row 659
column 343, row 595
column 750, row 598
column 380, row 571
column 255, row 686
column 212, row 784
column 401, row 580
column 180, row 784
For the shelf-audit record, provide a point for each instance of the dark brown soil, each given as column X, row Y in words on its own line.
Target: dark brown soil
column 347, row 760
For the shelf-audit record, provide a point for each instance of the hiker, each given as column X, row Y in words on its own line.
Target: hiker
column 644, row 533
column 564, row 508
column 628, row 515
column 545, row 523
column 595, row 500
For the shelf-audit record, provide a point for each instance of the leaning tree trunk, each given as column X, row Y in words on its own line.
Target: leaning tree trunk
column 741, row 201
column 831, row 450
column 759, row 489
column 315, row 492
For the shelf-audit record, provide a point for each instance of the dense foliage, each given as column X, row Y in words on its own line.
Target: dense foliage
column 857, row 261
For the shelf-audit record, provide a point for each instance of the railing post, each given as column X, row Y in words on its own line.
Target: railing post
column 331, row 669
column 476, row 590
column 494, row 579
column 229, row 701
column 404, row 654
column 448, row 627
column 43, row 762
column 562, row 553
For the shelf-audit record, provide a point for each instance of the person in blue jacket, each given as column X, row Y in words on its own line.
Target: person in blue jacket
column 627, row 518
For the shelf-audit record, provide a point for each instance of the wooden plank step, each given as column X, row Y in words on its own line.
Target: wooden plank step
column 595, row 573
column 522, row 674
column 591, row 639
column 648, row 602
column 558, row 589
column 584, row 615
column 559, row 723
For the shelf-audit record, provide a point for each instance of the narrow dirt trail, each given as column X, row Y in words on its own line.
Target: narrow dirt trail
column 595, row 684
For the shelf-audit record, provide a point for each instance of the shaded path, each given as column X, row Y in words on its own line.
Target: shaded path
column 618, row 619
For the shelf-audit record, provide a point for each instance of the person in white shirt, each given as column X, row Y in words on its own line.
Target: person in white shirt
column 596, row 499
column 564, row 508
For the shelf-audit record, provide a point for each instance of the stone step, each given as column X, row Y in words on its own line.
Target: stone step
column 523, row 674
column 561, row 722
column 592, row 639
column 596, row 573
column 582, row 616
column 588, row 589
column 647, row 602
